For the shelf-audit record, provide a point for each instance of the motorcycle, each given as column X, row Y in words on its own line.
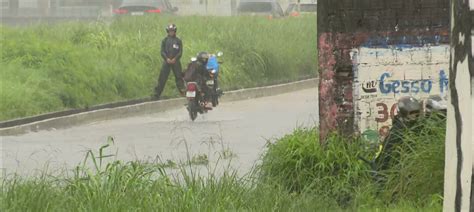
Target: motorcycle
column 213, row 66
column 197, row 99
column 196, row 102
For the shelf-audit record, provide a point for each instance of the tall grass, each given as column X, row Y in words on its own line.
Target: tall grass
column 75, row 65
column 335, row 173
column 295, row 174
column 419, row 172
column 142, row 186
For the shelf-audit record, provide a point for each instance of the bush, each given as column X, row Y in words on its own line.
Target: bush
column 298, row 163
column 418, row 176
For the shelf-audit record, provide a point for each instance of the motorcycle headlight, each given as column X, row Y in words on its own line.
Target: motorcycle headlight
column 213, row 71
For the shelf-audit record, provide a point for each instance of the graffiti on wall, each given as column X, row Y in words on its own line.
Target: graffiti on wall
column 383, row 75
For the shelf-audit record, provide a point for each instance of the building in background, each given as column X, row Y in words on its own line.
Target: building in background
column 95, row 8
column 51, row 8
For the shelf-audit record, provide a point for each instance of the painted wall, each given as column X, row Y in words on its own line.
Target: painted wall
column 383, row 75
column 361, row 40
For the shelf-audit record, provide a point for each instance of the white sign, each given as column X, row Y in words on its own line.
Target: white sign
column 383, row 75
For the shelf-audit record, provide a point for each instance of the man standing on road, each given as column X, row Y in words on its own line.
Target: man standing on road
column 171, row 52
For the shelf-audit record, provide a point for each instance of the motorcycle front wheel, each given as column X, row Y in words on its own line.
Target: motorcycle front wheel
column 215, row 96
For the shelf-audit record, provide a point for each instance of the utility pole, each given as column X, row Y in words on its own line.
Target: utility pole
column 459, row 177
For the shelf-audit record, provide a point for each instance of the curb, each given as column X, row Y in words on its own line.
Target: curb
column 149, row 108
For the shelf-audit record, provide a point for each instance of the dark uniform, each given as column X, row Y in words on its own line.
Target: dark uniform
column 197, row 72
column 171, row 47
column 395, row 137
column 435, row 112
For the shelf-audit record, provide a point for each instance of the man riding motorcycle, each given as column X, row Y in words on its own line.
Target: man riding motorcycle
column 197, row 72
column 435, row 104
column 409, row 118
column 213, row 68
column 409, row 111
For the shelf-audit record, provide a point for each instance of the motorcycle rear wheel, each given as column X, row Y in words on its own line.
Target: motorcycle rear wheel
column 215, row 100
column 192, row 108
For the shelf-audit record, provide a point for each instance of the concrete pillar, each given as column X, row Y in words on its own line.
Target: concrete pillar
column 371, row 53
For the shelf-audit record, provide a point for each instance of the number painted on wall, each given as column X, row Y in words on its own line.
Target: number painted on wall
column 384, row 113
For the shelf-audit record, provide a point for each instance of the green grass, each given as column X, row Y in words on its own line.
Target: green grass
column 76, row 65
column 333, row 171
column 295, row 174
column 299, row 163
column 419, row 172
